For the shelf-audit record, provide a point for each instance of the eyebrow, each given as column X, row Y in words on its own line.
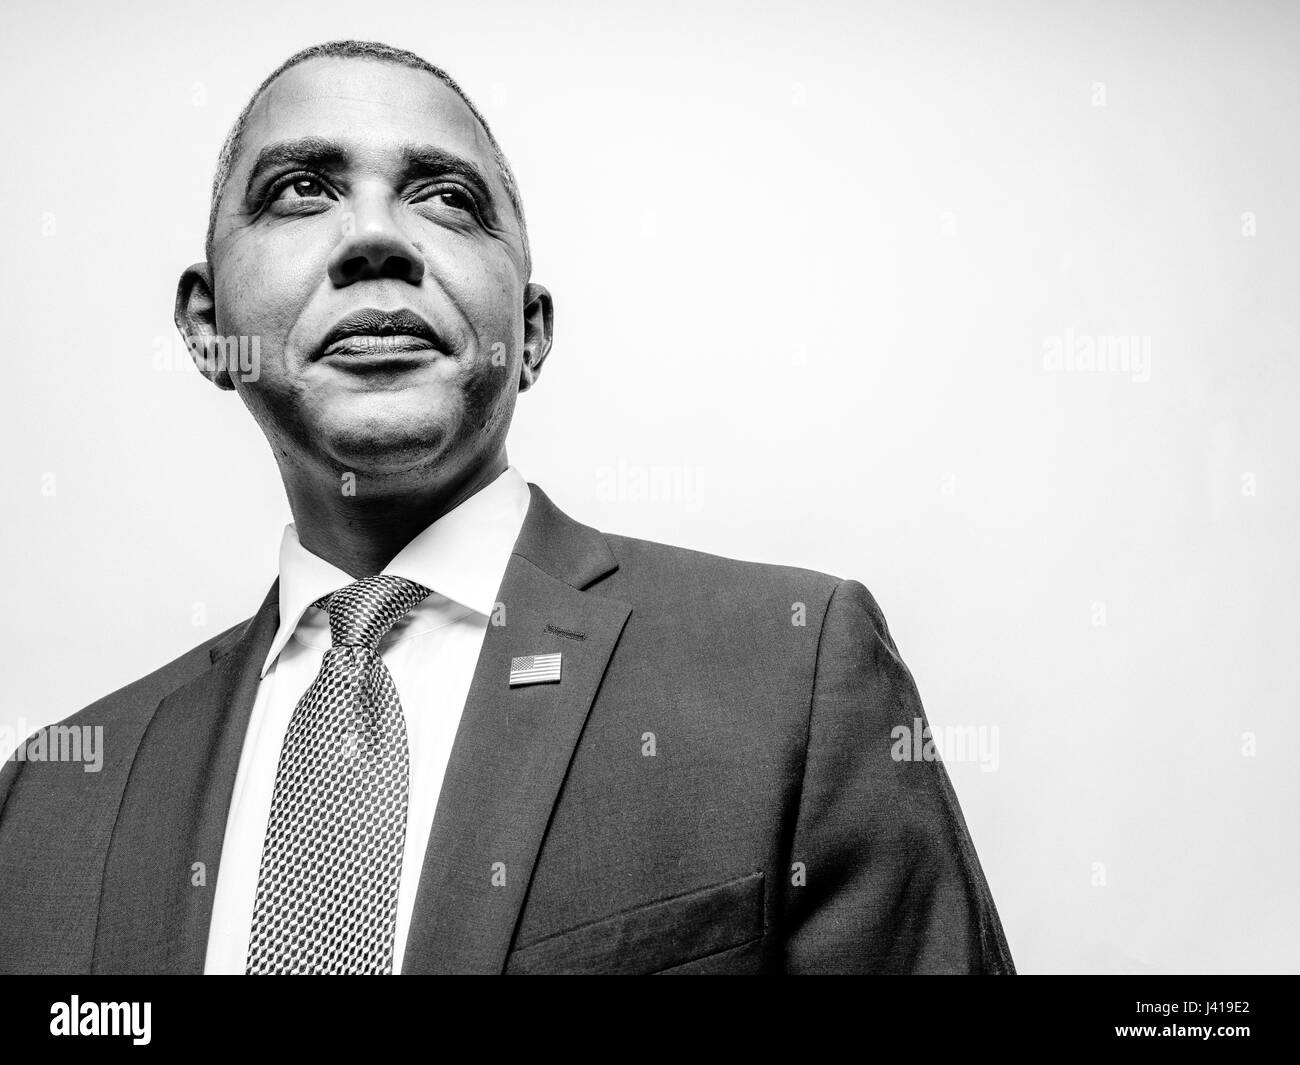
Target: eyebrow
column 417, row 160
column 315, row 152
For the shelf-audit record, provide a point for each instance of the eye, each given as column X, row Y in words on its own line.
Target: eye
column 453, row 196
column 302, row 187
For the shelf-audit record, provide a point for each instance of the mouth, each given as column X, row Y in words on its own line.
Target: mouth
column 375, row 334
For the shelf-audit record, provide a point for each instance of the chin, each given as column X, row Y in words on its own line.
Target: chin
column 387, row 446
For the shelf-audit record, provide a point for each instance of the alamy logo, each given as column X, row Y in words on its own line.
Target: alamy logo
column 633, row 483
column 55, row 743
column 1084, row 353
column 955, row 743
column 102, row 1018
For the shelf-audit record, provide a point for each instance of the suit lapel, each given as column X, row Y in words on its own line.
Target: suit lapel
column 508, row 763
column 153, row 917
column 513, row 746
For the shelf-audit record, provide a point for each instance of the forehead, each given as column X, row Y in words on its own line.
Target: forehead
column 367, row 104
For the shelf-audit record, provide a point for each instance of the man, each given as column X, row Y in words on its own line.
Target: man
column 464, row 732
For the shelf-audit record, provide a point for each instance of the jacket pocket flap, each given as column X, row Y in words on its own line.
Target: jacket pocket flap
column 654, row 936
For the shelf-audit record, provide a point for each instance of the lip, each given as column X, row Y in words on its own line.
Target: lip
column 372, row 333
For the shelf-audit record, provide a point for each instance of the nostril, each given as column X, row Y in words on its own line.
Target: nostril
column 354, row 267
column 373, row 263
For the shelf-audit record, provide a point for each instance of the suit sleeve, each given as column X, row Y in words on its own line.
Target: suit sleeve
column 890, row 879
column 8, row 774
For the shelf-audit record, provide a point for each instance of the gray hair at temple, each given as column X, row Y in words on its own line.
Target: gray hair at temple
column 360, row 50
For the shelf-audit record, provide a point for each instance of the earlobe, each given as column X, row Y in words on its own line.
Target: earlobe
column 538, row 325
column 196, row 320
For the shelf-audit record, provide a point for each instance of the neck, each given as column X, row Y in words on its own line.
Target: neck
column 361, row 534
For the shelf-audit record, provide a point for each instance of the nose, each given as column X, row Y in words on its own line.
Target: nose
column 374, row 247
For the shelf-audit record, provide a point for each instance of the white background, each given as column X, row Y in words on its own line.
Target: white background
column 807, row 262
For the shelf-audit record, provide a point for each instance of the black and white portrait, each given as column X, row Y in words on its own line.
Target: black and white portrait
column 579, row 489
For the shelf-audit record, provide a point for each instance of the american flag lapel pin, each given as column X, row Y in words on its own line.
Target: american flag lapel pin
column 534, row 669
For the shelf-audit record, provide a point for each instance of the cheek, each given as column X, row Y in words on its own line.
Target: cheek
column 260, row 292
column 501, row 343
column 487, row 380
column 491, row 301
column 485, row 391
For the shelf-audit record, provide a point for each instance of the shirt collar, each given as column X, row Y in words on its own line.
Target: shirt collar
column 463, row 556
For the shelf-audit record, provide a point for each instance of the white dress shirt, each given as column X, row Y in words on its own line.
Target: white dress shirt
column 431, row 654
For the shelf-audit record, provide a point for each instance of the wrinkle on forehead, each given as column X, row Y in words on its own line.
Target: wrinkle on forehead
column 354, row 100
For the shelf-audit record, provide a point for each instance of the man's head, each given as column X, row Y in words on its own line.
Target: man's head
column 367, row 230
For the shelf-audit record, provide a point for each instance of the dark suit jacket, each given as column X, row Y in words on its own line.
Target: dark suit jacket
column 709, row 788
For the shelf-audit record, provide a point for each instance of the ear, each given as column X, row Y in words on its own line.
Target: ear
column 196, row 319
column 537, row 334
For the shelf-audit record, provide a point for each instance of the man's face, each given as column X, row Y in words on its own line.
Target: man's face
column 364, row 186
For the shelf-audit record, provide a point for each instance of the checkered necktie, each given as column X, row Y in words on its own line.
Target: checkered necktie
column 332, row 860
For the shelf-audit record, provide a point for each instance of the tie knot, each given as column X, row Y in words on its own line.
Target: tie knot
column 362, row 613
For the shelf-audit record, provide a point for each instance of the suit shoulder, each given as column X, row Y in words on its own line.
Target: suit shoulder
column 653, row 573
column 146, row 692
column 647, row 562
column 125, row 712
